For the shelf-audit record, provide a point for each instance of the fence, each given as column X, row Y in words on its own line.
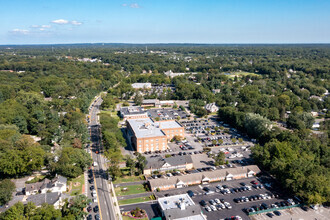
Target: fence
column 274, row 209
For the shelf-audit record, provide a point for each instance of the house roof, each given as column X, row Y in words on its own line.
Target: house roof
column 155, row 183
column 39, row 199
column 158, row 162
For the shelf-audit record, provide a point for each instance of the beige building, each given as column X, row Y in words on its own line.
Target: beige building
column 161, row 164
column 203, row 177
column 147, row 135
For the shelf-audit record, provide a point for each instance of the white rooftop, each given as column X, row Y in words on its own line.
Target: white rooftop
column 141, row 85
column 168, row 124
column 145, row 128
column 173, row 202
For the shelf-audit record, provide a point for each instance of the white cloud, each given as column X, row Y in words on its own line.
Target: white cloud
column 135, row 5
column 75, row 22
column 60, row 21
column 20, row 31
column 63, row 21
column 40, row 26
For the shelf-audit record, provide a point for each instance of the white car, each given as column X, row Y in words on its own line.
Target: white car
column 94, row 199
column 217, row 201
column 213, row 208
column 222, row 205
column 207, row 208
column 227, row 204
column 95, row 164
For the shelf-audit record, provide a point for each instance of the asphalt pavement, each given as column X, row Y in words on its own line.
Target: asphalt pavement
column 104, row 200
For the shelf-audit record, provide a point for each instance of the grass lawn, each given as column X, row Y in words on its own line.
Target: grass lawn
column 77, row 184
column 112, row 114
column 133, row 189
column 135, row 200
column 127, row 179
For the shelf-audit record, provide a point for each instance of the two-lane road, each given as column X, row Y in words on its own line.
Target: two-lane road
column 105, row 202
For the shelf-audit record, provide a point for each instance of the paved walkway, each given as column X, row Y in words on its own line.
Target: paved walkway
column 130, row 183
column 134, row 196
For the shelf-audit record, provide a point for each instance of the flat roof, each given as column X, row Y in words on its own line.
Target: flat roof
column 172, row 202
column 168, row 124
column 145, row 128
column 132, row 110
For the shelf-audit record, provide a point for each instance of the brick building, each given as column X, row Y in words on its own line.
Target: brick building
column 147, row 135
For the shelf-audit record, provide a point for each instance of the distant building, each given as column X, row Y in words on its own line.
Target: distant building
column 146, row 135
column 211, row 107
column 141, row 85
column 180, row 207
column 203, row 177
column 151, row 103
column 58, row 184
column 133, row 112
column 161, row 164
column 171, row 74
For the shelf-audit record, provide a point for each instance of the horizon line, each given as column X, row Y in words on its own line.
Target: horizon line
column 49, row 44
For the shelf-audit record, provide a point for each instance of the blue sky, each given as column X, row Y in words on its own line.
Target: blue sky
column 164, row 21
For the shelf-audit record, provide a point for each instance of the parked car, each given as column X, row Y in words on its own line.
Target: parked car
column 190, row 193
column 207, row 208
column 277, row 213
column 203, row 203
column 270, row 215
column 96, row 208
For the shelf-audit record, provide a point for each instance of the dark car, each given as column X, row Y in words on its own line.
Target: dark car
column 243, row 184
column 203, row 203
column 305, row 208
column 265, row 205
column 237, row 200
column 191, row 193
column 277, row 213
column 206, row 189
column 91, row 181
column 96, row 208
column 89, row 209
column 97, row 217
column 89, row 217
column 270, row 215
column 167, row 195
column 92, row 187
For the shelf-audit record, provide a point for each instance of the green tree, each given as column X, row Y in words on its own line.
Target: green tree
column 7, row 187
column 141, row 162
column 219, row 159
column 130, row 163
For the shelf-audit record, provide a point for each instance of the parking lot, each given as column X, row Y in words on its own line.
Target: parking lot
column 297, row 213
column 167, row 113
column 237, row 207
